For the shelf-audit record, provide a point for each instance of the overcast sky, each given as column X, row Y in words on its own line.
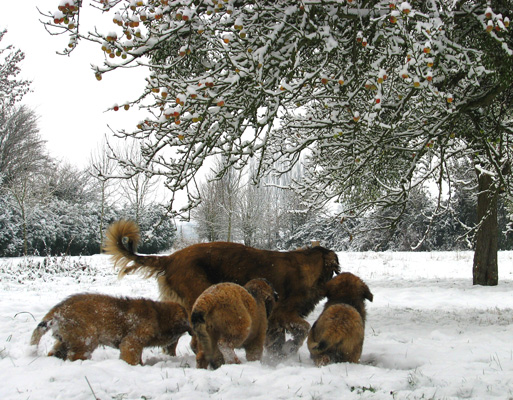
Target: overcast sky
column 66, row 96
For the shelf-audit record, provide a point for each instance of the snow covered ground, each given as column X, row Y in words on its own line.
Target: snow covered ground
column 430, row 334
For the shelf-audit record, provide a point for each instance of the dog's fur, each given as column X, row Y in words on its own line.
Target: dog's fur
column 228, row 316
column 298, row 276
column 84, row 321
column 338, row 333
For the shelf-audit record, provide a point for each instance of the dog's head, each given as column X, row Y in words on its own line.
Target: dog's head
column 262, row 290
column 330, row 266
column 348, row 286
column 173, row 317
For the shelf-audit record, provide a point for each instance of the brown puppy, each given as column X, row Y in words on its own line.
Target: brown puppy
column 228, row 316
column 337, row 335
column 298, row 276
column 82, row 322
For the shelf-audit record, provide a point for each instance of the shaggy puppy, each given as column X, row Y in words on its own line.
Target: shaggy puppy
column 298, row 276
column 337, row 335
column 228, row 316
column 82, row 322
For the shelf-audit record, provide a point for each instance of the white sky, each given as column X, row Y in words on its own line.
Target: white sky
column 66, row 96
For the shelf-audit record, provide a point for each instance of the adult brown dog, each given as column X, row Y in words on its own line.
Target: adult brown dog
column 338, row 333
column 228, row 316
column 82, row 322
column 298, row 276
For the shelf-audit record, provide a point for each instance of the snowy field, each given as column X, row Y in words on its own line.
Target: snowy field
column 430, row 334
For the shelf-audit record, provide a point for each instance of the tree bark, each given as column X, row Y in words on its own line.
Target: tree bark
column 485, row 270
column 103, row 197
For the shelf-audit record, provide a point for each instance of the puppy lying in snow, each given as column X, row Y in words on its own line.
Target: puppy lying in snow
column 338, row 333
column 228, row 316
column 82, row 322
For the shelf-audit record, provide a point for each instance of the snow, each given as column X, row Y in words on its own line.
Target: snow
column 429, row 334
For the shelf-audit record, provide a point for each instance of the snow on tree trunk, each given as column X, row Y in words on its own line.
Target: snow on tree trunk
column 485, row 269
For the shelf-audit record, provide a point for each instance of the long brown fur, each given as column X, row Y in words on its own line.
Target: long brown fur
column 298, row 276
column 228, row 316
column 338, row 333
column 82, row 322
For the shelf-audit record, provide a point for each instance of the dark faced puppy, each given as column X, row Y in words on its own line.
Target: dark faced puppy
column 82, row 322
column 338, row 333
column 299, row 277
column 228, row 316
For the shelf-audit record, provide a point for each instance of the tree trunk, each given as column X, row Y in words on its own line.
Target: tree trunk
column 485, row 270
column 229, row 233
column 25, row 234
column 102, row 215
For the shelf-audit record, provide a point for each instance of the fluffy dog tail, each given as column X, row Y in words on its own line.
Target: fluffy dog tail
column 121, row 242
column 41, row 329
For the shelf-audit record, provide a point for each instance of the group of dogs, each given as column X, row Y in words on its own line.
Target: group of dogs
column 226, row 296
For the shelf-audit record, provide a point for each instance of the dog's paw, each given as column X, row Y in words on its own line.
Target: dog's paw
column 290, row 348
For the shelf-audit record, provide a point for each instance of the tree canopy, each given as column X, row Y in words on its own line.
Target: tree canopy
column 378, row 94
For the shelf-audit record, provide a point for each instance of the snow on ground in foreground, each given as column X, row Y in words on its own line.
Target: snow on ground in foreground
column 430, row 334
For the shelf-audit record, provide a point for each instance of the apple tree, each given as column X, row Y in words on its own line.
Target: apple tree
column 377, row 96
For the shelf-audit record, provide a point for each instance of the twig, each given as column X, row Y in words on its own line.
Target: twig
column 90, row 387
column 25, row 312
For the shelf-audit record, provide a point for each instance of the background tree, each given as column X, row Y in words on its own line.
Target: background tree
column 379, row 94
column 260, row 215
column 21, row 146
column 25, row 200
column 71, row 192
column 102, row 169
column 229, row 185
column 207, row 214
column 252, row 204
column 138, row 187
column 12, row 89
column 11, row 239
column 49, row 207
column 216, row 214
column 22, row 160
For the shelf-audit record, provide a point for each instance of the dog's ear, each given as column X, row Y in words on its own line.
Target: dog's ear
column 254, row 291
column 367, row 293
column 268, row 299
column 331, row 263
column 329, row 288
column 263, row 292
column 269, row 302
column 271, row 286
